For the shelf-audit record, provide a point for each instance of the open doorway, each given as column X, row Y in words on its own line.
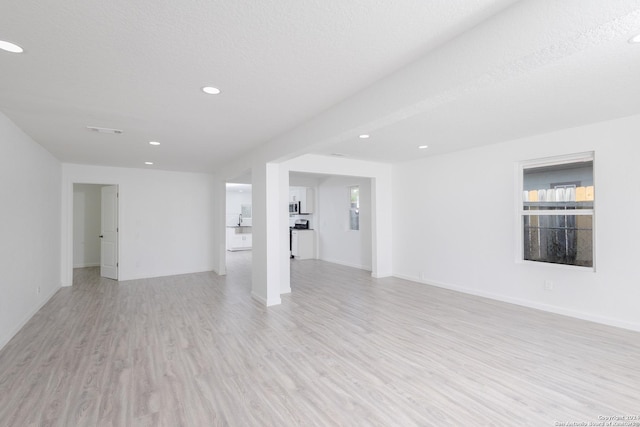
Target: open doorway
column 238, row 228
column 239, row 217
column 338, row 217
column 95, row 228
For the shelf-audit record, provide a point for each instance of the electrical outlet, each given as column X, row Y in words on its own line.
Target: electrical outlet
column 548, row 285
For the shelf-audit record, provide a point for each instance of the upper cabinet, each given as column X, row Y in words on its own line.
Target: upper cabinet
column 307, row 201
column 305, row 196
column 294, row 194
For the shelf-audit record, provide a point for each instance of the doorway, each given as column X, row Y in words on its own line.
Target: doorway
column 238, row 219
column 95, row 228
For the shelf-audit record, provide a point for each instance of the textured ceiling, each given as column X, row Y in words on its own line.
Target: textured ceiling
column 451, row 74
column 536, row 67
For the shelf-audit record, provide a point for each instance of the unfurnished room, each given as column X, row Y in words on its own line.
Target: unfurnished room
column 319, row 213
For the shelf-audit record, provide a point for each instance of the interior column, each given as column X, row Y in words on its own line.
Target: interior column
column 267, row 233
column 381, row 226
column 219, row 229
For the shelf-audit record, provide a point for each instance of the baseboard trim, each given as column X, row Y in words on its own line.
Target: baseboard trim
column 633, row 326
column 346, row 264
column 123, row 278
column 91, row 264
column 5, row 340
column 381, row 275
column 268, row 302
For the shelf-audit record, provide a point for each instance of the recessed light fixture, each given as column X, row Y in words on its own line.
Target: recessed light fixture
column 364, row 136
column 104, row 130
column 154, row 143
column 10, row 47
column 148, row 163
column 211, row 90
column 423, row 147
column 635, row 39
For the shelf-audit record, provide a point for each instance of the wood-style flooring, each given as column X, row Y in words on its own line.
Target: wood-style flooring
column 343, row 349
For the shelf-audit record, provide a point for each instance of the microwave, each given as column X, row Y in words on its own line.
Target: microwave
column 294, row 207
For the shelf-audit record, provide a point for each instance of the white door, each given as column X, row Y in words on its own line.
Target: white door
column 109, row 233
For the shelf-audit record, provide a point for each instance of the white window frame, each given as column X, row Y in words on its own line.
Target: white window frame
column 521, row 212
column 349, row 189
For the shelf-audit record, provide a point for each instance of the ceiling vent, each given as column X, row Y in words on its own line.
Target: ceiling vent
column 104, row 130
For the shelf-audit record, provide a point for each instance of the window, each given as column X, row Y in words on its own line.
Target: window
column 557, row 210
column 354, row 208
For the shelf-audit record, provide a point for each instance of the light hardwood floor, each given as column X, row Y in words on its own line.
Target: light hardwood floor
column 342, row 349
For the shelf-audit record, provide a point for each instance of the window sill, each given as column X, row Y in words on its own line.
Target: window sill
column 577, row 268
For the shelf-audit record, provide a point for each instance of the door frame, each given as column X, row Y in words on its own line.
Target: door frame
column 67, row 219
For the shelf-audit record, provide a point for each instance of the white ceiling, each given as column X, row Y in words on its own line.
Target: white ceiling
column 238, row 187
column 448, row 73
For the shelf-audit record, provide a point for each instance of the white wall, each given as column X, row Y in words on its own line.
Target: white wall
column 337, row 243
column 165, row 220
column 86, row 225
column 29, row 226
column 455, row 224
column 303, row 180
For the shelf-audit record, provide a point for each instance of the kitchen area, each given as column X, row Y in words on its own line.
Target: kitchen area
column 324, row 220
column 239, row 217
column 302, row 235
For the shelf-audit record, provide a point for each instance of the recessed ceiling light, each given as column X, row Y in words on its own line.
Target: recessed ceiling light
column 154, row 143
column 363, row 136
column 635, row 39
column 211, row 90
column 10, row 47
column 148, row 163
column 422, row 147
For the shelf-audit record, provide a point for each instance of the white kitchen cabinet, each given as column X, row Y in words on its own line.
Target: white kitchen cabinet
column 304, row 195
column 303, row 244
column 307, row 201
column 239, row 238
column 294, row 194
